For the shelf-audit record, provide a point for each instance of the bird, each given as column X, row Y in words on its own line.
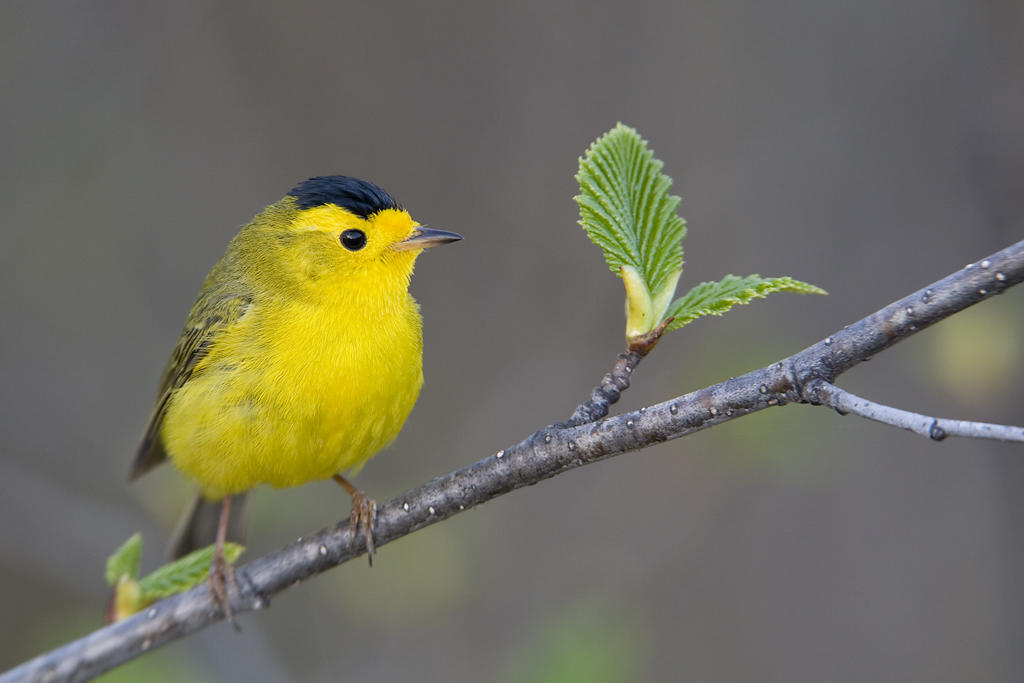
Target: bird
column 300, row 359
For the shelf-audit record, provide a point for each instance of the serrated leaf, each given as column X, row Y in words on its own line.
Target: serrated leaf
column 627, row 211
column 125, row 560
column 184, row 573
column 715, row 298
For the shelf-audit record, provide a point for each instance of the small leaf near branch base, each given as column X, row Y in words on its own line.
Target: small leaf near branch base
column 125, row 560
column 132, row 594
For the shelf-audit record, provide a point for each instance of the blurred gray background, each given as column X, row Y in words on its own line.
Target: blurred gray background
column 868, row 147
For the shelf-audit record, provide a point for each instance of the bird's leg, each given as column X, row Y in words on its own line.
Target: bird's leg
column 222, row 574
column 364, row 513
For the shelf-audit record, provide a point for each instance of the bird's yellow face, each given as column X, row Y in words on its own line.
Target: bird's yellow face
column 329, row 254
column 336, row 240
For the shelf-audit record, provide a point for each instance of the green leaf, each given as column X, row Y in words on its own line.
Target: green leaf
column 184, row 573
column 715, row 298
column 125, row 560
column 627, row 211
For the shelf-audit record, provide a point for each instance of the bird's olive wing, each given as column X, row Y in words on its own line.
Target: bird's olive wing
column 207, row 318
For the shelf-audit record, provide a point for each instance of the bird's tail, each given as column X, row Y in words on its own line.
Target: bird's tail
column 198, row 528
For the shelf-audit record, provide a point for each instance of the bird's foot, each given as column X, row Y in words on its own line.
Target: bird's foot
column 222, row 581
column 363, row 517
column 364, row 514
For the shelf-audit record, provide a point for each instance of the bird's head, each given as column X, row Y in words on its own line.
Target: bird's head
column 336, row 235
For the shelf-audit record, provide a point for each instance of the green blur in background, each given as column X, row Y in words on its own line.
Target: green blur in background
column 870, row 148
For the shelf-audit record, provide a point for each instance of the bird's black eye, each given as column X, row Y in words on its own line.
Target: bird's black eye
column 353, row 240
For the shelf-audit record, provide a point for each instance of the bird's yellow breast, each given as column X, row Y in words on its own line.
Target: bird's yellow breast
column 296, row 391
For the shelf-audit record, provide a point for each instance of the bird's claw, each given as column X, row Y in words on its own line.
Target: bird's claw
column 363, row 517
column 222, row 581
column 364, row 514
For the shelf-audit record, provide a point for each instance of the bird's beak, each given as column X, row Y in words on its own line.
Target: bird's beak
column 424, row 238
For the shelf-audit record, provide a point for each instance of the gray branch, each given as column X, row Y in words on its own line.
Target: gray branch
column 550, row 451
column 936, row 428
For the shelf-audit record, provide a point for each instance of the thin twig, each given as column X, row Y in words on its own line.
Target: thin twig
column 617, row 380
column 935, row 428
column 540, row 456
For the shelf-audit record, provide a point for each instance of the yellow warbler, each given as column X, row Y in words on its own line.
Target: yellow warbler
column 300, row 359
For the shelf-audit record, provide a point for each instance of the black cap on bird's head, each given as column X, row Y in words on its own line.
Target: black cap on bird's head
column 360, row 197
